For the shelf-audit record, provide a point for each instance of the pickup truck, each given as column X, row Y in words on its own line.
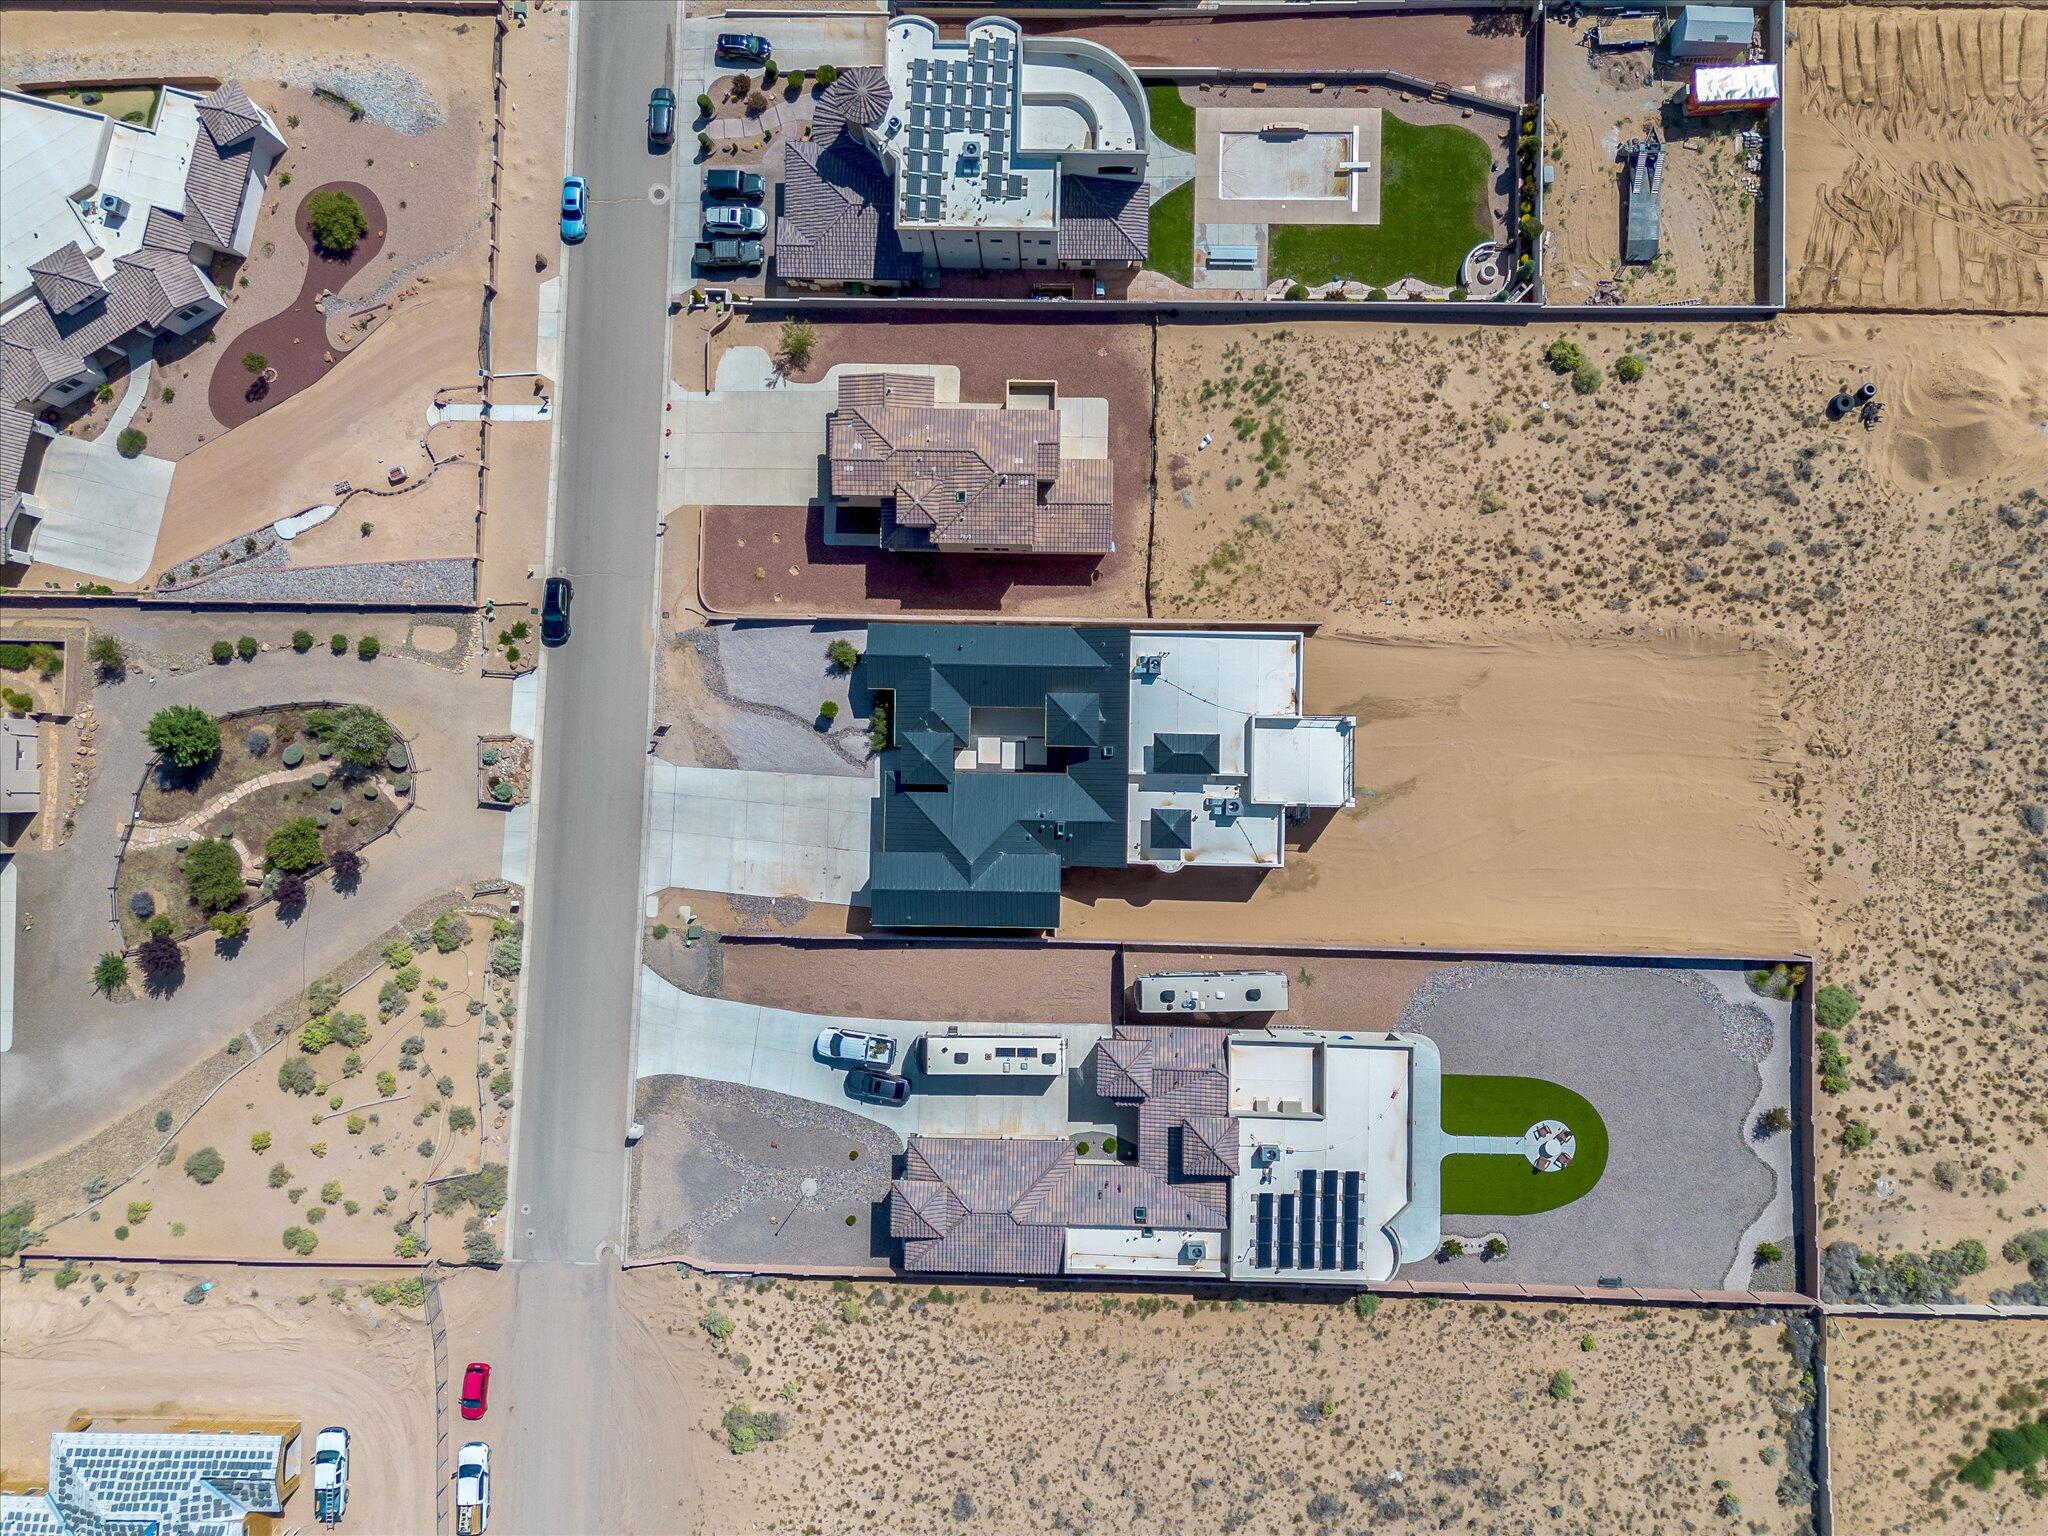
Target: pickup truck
column 859, row 1049
column 473, row 1489
column 330, row 1475
column 729, row 253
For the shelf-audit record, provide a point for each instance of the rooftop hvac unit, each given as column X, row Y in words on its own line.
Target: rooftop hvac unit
column 114, row 206
column 1193, row 1252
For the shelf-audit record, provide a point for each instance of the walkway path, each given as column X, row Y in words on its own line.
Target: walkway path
column 151, row 834
column 141, row 362
column 78, row 1059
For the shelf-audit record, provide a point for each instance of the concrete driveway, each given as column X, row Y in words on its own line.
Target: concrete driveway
column 100, row 512
column 683, row 1034
column 758, row 834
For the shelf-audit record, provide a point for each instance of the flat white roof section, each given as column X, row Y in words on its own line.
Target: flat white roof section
column 49, row 153
column 1143, row 1251
column 1318, row 1190
column 1303, row 761
column 148, row 169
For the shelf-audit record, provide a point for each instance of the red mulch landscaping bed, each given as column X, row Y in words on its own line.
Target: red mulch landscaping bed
column 295, row 339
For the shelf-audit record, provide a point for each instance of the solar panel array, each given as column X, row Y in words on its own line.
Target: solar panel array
column 197, row 1483
column 952, row 96
column 1315, row 1227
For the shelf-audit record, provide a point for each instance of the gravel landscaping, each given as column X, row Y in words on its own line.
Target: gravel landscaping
column 270, row 578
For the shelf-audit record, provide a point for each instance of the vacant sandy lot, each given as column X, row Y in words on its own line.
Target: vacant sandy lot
column 1915, row 174
column 1907, row 1400
column 1882, row 589
column 1161, row 1415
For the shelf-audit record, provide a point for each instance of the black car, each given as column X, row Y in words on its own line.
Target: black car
column 881, row 1087
column 745, row 47
column 661, row 117
column 554, row 610
column 730, row 183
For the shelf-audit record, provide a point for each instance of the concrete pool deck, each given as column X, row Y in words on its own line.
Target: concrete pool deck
column 1235, row 153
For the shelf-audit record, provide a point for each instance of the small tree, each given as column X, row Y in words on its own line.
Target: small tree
column 827, row 73
column 338, row 644
column 296, row 1075
column 107, row 654
column 799, row 340
column 346, row 866
column 357, row 735
column 205, row 1165
column 255, row 362
column 131, row 442
column 184, row 737
column 1563, row 356
column 247, row 647
column 229, row 927
column 705, row 106
column 301, row 1240
column 368, row 647
column 336, row 221
column 160, row 956
column 223, row 652
column 295, row 845
column 841, row 655
column 110, row 973
column 1775, row 1120
column 290, row 890
column 213, row 874
column 302, row 640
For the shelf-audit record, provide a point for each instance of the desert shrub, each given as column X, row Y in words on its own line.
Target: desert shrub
column 1564, row 356
column 356, row 735
column 302, row 640
column 213, row 874
column 1586, row 379
column 368, row 647
column 229, row 927
column 107, row 654
column 301, row 1240
column 799, row 341
column 1834, row 1066
column 18, row 1230
column 1561, row 1386
column 717, row 1324
column 259, row 1141
column 223, row 652
column 745, row 1428
column 336, row 220
column 451, row 931
column 295, row 845
column 1857, row 1135
column 205, row 1165
column 1775, row 1120
column 1365, row 1304
column 1835, row 1007
column 296, row 1076
column 842, row 656
column 387, row 1084
column 131, row 442
column 461, row 1119
column 1768, row 1253
column 1628, row 368
column 255, row 362
column 338, row 644
column 279, row 1175
column 247, row 647
column 184, row 737
column 481, row 1249
column 505, row 956
column 143, row 905
column 110, row 972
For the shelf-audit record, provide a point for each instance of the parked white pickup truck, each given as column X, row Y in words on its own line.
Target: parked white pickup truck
column 857, row 1049
column 473, row 1489
column 330, row 1475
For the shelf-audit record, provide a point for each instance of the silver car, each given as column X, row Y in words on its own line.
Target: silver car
column 735, row 219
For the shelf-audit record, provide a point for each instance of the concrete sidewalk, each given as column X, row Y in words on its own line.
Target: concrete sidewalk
column 686, row 1035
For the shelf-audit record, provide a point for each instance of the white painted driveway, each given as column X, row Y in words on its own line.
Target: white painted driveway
column 686, row 1035
column 758, row 834
column 100, row 512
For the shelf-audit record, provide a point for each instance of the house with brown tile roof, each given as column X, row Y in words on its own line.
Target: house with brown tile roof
column 946, row 477
column 990, row 152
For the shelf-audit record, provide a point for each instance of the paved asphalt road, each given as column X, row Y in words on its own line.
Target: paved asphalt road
column 559, row 1473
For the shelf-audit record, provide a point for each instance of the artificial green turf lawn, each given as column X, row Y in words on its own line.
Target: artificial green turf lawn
column 1432, row 187
column 1172, row 238
column 1478, row 1184
column 1173, row 120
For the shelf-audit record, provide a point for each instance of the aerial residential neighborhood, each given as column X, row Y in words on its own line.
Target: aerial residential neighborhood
column 1295, row 745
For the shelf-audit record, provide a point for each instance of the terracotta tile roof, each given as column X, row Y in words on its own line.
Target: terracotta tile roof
column 1103, row 219
column 1208, row 1146
column 1123, row 1068
column 836, row 224
column 214, row 186
column 16, row 427
column 964, row 476
column 64, row 277
column 166, row 231
column 228, row 114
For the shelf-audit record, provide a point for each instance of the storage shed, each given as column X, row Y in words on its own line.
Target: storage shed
column 1712, row 32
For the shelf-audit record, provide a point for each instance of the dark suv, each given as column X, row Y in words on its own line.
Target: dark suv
column 743, row 47
column 661, row 117
column 878, row 1087
column 725, row 182
column 555, row 598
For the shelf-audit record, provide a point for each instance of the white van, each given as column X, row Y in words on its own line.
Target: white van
column 957, row 1054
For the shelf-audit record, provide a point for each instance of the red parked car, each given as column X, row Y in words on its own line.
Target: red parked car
column 476, row 1389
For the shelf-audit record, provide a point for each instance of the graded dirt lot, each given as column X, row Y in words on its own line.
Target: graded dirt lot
column 1916, row 179
column 1909, row 1399
column 1857, row 779
column 1594, row 103
column 1078, row 1412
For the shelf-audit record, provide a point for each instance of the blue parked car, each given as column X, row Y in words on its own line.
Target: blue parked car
column 573, row 228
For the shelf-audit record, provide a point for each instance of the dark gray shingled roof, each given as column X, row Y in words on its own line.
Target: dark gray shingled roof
column 1103, row 219
column 985, row 849
column 64, row 277
column 1005, row 1202
column 228, row 114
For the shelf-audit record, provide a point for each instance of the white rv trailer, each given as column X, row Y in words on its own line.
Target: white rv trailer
column 1213, row 992
column 959, row 1054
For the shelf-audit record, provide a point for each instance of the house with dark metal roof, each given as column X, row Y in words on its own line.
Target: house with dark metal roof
column 1017, row 750
column 981, row 478
column 1304, row 1155
column 990, row 152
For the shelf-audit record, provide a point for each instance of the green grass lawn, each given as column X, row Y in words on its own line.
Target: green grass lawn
column 1173, row 120
column 1172, row 237
column 1475, row 1184
column 1432, row 191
